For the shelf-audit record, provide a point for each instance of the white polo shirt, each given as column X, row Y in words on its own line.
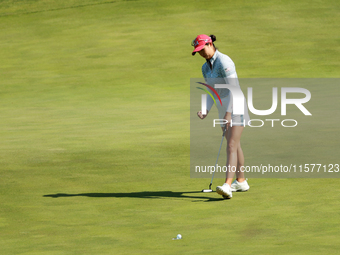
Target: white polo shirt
column 223, row 71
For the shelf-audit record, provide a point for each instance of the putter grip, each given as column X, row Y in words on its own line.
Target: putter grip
column 224, row 130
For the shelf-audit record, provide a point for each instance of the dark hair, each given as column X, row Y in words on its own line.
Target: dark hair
column 213, row 39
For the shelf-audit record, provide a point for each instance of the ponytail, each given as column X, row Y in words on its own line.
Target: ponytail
column 213, row 39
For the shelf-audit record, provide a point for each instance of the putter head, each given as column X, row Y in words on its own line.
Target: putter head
column 207, row 190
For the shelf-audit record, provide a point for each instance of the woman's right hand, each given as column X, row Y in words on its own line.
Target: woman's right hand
column 202, row 116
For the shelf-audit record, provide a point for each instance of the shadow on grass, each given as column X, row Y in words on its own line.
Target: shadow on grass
column 143, row 194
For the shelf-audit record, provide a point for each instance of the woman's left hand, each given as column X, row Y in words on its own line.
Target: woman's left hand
column 227, row 117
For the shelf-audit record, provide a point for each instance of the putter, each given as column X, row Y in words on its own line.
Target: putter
column 212, row 178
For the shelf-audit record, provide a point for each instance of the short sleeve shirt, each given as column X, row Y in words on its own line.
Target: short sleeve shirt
column 222, row 67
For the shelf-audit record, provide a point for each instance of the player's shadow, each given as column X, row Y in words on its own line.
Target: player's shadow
column 143, row 194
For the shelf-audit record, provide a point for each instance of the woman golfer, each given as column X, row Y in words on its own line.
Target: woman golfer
column 216, row 68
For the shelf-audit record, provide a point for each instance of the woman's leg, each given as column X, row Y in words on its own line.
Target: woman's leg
column 240, row 164
column 235, row 158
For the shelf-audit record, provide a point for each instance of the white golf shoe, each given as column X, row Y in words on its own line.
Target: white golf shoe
column 225, row 191
column 239, row 186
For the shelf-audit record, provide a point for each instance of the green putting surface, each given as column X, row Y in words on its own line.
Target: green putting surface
column 95, row 128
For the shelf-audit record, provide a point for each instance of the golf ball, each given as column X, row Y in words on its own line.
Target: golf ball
column 179, row 236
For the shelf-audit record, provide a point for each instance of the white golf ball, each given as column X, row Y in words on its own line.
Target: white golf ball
column 179, row 236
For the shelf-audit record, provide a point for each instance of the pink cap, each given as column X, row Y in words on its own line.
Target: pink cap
column 199, row 42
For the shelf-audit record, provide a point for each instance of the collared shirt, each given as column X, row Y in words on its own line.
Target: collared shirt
column 219, row 69
column 222, row 66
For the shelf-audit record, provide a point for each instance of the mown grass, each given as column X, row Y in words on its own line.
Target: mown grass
column 94, row 104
